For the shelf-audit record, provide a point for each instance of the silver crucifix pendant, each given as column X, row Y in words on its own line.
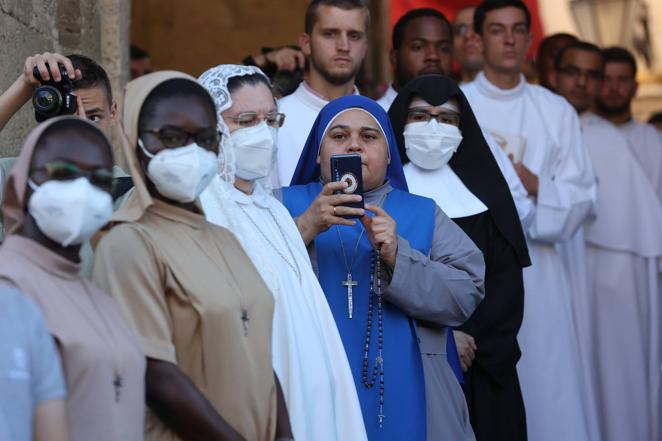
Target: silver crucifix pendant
column 349, row 284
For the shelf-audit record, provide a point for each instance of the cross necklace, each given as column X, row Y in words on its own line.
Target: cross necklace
column 349, row 283
column 108, row 337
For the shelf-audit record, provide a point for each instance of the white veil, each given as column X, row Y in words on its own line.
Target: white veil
column 215, row 80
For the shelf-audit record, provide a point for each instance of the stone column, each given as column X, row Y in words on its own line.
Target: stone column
column 96, row 28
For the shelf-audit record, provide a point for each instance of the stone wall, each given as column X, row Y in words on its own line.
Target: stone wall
column 96, row 28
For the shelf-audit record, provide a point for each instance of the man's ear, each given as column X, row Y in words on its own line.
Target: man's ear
column 553, row 79
column 113, row 111
column 304, row 44
column 634, row 90
column 393, row 58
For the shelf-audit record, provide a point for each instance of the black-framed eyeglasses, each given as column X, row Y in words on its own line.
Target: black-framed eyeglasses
column 444, row 117
column 172, row 137
column 66, row 171
column 574, row 72
column 251, row 119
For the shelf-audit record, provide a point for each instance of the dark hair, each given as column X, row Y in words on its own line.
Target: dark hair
column 137, row 53
column 93, row 75
column 236, row 83
column 617, row 54
column 311, row 11
column 655, row 118
column 491, row 5
column 402, row 23
column 547, row 41
column 579, row 45
column 77, row 125
column 176, row 87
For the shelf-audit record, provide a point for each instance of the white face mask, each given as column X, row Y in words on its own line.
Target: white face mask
column 182, row 173
column 430, row 145
column 255, row 150
column 69, row 212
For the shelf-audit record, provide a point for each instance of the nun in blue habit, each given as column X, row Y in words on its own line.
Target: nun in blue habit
column 395, row 278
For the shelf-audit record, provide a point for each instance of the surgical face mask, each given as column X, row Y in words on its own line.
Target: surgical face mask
column 69, row 212
column 430, row 145
column 182, row 173
column 255, row 150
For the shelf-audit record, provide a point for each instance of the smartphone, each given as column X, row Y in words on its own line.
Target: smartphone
column 347, row 168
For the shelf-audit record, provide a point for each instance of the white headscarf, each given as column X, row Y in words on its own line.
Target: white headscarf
column 215, row 80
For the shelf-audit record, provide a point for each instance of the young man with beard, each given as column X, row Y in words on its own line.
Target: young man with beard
column 422, row 44
column 335, row 43
column 541, row 131
column 623, row 248
column 615, row 104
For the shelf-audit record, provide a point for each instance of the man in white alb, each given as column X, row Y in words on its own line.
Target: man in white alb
column 335, row 43
column 541, row 132
column 624, row 247
column 614, row 103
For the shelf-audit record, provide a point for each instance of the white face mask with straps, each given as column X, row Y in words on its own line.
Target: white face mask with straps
column 69, row 212
column 255, row 151
column 430, row 145
column 182, row 173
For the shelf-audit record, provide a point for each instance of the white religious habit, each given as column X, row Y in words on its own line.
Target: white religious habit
column 300, row 109
column 543, row 129
column 646, row 144
column 308, row 354
column 624, row 247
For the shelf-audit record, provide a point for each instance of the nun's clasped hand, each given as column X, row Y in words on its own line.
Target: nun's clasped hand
column 327, row 210
column 382, row 232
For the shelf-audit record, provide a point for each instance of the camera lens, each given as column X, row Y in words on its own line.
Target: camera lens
column 47, row 100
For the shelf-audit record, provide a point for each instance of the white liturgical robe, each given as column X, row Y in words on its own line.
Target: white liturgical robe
column 646, row 144
column 308, row 353
column 543, row 129
column 300, row 109
column 624, row 246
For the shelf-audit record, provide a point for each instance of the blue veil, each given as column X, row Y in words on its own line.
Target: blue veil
column 308, row 170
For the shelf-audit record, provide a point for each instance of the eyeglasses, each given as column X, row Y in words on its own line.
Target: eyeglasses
column 574, row 72
column 66, row 171
column 251, row 119
column 172, row 137
column 420, row 115
column 462, row 29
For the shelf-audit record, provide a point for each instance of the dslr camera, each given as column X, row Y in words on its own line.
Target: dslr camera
column 53, row 98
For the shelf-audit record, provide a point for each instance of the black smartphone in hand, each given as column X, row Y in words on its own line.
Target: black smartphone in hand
column 347, row 168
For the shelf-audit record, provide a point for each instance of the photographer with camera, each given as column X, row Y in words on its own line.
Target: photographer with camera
column 88, row 80
column 79, row 85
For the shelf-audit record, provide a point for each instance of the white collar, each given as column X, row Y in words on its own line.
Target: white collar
column 486, row 87
column 310, row 98
column 259, row 196
column 445, row 188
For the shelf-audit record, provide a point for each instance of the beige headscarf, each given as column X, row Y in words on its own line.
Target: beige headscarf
column 135, row 94
column 14, row 205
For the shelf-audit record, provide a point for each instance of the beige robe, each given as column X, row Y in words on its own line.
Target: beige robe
column 95, row 343
column 183, row 284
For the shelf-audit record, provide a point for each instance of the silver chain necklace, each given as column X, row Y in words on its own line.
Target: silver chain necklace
column 349, row 283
